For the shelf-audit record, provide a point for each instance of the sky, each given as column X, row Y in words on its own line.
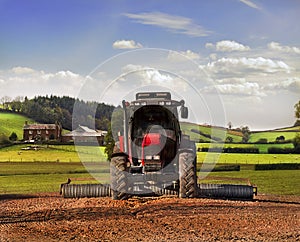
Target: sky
column 231, row 60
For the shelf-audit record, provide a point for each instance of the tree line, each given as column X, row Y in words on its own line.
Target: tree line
column 52, row 109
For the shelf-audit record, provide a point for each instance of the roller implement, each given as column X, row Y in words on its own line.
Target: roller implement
column 153, row 157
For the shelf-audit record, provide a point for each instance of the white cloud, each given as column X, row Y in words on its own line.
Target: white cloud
column 173, row 23
column 180, row 56
column 243, row 65
column 235, row 86
column 213, row 56
column 29, row 82
column 247, row 89
column 19, row 70
column 126, row 44
column 291, row 84
column 232, row 80
column 250, row 4
column 276, row 46
column 209, row 46
column 144, row 76
column 227, row 46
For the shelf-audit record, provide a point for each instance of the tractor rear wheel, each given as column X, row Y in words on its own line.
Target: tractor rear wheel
column 118, row 176
column 187, row 174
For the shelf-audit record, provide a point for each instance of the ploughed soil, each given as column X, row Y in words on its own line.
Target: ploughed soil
column 49, row 217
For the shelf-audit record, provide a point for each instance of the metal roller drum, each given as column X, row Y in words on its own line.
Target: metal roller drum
column 85, row 190
column 226, row 191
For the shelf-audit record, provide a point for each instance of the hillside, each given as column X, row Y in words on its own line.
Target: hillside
column 203, row 133
column 11, row 122
column 272, row 135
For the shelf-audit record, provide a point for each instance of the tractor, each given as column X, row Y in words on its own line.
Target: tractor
column 152, row 155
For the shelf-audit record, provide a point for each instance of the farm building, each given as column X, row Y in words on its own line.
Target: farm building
column 41, row 132
column 84, row 134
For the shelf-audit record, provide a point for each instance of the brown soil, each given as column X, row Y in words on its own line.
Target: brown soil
column 49, row 217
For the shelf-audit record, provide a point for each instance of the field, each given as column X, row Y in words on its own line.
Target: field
column 263, row 148
column 10, row 122
column 51, row 153
column 272, row 135
column 45, row 176
column 33, row 210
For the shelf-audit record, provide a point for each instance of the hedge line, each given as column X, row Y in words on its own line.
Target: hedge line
column 230, row 150
column 251, row 150
column 286, row 166
column 221, row 168
column 276, row 150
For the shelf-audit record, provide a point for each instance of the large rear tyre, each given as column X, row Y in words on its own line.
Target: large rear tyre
column 187, row 174
column 118, row 175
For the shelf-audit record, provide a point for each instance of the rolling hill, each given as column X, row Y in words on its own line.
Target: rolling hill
column 12, row 122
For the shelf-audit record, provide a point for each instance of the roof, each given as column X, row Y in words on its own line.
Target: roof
column 40, row 126
column 85, row 131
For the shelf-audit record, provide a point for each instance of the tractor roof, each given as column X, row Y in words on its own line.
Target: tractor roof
column 155, row 98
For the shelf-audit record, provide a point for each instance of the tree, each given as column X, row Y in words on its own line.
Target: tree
column 296, row 141
column 246, row 134
column 13, row 137
column 229, row 139
column 5, row 102
column 4, row 140
column 229, row 125
column 110, row 143
column 297, row 113
column 280, row 138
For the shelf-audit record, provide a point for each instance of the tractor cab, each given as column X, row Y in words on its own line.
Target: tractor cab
column 152, row 131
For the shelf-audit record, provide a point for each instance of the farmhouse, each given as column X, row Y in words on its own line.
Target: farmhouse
column 84, row 134
column 41, row 132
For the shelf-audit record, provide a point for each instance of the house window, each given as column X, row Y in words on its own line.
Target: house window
column 39, row 132
column 47, row 132
column 30, row 131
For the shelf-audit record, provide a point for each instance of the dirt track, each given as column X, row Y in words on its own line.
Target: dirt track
column 48, row 217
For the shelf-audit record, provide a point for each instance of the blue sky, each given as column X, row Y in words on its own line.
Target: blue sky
column 249, row 48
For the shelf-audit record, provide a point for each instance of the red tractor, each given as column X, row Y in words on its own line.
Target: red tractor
column 153, row 157
column 152, row 154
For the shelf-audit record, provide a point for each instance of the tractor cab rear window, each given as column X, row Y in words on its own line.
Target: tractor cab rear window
column 152, row 117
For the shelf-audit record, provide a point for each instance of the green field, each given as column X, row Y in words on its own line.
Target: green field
column 51, row 153
column 19, row 178
column 215, row 132
column 279, row 182
column 235, row 158
column 10, row 122
column 13, row 122
column 37, row 177
column 263, row 148
column 272, row 135
column 30, row 169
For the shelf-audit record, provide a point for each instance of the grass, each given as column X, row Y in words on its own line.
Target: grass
column 272, row 135
column 263, row 148
column 235, row 158
column 215, row 131
column 22, row 178
column 11, row 122
column 44, row 169
column 53, row 153
column 280, row 182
